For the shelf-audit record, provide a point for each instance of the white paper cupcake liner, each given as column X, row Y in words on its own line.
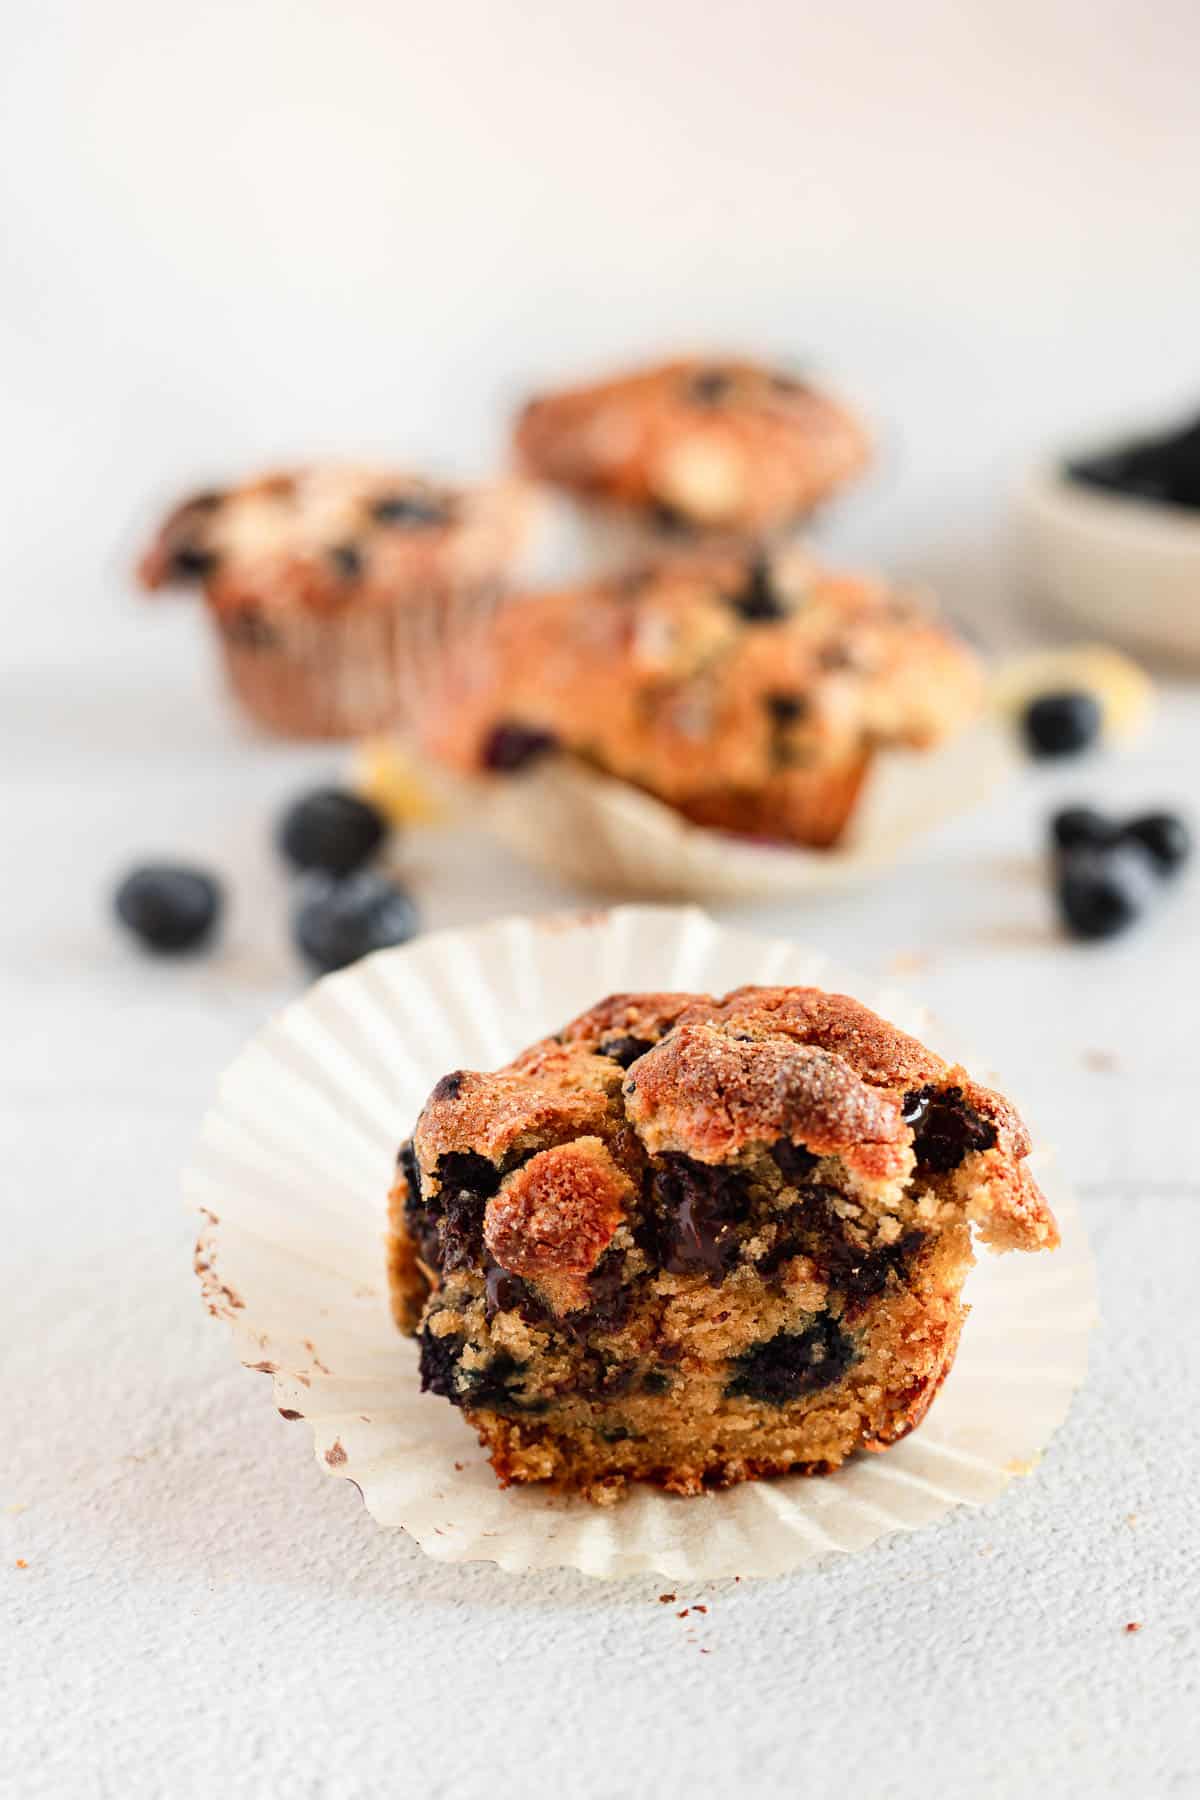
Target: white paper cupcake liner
column 292, row 1173
column 603, row 834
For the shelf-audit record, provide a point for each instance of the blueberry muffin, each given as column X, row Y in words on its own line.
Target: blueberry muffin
column 696, row 446
column 750, row 694
column 693, row 1241
column 322, row 581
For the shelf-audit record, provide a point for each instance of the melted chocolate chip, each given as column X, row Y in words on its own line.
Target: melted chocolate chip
column 450, row 1086
column 946, row 1128
column 347, row 560
column 467, row 1182
column 655, row 1381
column 414, row 511
column 625, row 1050
column 791, row 1364
column 793, row 1161
column 504, row 1292
column 757, row 602
column 511, row 746
column 697, row 1207
column 608, row 1296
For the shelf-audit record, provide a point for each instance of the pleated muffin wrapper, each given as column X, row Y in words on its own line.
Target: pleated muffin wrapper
column 292, row 1173
column 360, row 670
column 615, row 839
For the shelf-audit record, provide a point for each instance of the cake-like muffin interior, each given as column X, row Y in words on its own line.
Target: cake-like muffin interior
column 697, row 444
column 693, row 1241
column 333, row 536
column 749, row 693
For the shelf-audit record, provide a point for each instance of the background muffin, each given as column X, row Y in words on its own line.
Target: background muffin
column 696, row 446
column 322, row 583
column 751, row 694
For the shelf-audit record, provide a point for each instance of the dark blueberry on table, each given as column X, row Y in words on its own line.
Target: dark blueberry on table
column 511, row 746
column 1062, row 724
column 347, row 560
column 332, row 830
column 1164, row 836
column 1101, row 893
column 336, row 922
column 1081, row 827
column 169, row 908
column 414, row 511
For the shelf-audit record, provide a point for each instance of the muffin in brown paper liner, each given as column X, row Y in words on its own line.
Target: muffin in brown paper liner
column 330, row 587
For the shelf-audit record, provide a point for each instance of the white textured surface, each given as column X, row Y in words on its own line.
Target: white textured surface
column 205, row 1612
column 981, row 218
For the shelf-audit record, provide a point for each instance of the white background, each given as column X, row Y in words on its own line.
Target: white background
column 246, row 231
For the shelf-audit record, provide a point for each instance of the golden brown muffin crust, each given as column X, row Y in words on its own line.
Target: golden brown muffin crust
column 722, row 443
column 747, row 693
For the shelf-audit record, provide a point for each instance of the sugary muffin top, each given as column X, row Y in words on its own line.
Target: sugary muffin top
column 705, row 672
column 721, row 444
column 540, row 1163
column 332, row 536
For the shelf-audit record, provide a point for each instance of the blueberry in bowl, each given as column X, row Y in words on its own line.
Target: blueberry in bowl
column 1113, row 533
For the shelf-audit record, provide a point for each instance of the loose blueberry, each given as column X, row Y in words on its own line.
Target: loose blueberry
column 1103, row 892
column 512, row 746
column 1080, row 827
column 169, row 908
column 332, row 830
column 1164, row 836
column 336, row 922
column 1062, row 724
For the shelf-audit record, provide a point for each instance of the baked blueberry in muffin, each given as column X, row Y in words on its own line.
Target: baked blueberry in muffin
column 751, row 694
column 693, row 1241
column 696, row 445
column 319, row 579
